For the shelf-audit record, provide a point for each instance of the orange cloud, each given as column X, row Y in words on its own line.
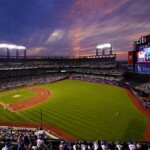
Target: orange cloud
column 85, row 54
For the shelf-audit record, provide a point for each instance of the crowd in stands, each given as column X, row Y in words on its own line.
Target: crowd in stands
column 57, row 63
column 103, row 145
column 86, row 66
column 13, row 82
column 145, row 87
column 142, row 92
column 13, row 138
column 106, row 71
column 97, row 78
column 24, row 139
column 16, row 74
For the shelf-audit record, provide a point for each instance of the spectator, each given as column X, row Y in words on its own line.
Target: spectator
column 118, row 146
column 40, row 143
column 26, row 141
column 75, row 146
column 104, row 145
column 131, row 146
column 41, row 134
column 83, row 146
column 95, row 145
column 20, row 141
column 7, row 146
column 138, row 146
column 61, row 146
column 29, row 147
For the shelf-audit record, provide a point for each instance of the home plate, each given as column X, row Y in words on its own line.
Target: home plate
column 15, row 96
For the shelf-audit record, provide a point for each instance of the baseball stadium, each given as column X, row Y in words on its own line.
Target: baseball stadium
column 76, row 100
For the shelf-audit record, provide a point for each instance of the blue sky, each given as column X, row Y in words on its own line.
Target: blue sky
column 73, row 27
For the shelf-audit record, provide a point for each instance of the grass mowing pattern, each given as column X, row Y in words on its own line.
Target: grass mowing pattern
column 7, row 116
column 7, row 97
column 88, row 111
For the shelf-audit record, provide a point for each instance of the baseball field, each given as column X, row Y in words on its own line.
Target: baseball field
column 83, row 110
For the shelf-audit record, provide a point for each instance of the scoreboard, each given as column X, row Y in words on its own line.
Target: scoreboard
column 142, row 49
column 139, row 58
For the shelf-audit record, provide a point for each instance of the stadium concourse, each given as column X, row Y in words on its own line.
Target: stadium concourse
column 19, row 72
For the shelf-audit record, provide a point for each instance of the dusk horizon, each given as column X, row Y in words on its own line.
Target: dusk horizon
column 73, row 27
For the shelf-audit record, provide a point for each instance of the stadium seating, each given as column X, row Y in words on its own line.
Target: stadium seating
column 27, row 139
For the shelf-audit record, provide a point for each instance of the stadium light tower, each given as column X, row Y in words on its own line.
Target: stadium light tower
column 8, row 54
column 17, row 48
column 25, row 53
column 17, row 54
column 103, row 47
column 22, row 48
column 5, row 46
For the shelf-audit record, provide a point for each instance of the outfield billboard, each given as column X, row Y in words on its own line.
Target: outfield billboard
column 142, row 50
column 142, row 55
column 144, row 69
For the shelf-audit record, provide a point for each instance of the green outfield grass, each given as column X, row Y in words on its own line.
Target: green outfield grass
column 8, row 97
column 86, row 111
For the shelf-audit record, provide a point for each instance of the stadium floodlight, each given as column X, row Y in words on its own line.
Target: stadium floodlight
column 21, row 47
column 3, row 46
column 99, row 46
column 12, row 46
column 102, row 46
column 108, row 45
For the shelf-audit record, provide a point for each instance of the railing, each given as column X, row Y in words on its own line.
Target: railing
column 48, row 147
column 141, row 100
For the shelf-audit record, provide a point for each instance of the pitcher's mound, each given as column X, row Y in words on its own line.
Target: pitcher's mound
column 15, row 96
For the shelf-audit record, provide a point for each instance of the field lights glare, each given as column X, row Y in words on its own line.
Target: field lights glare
column 3, row 45
column 102, row 46
column 21, row 47
column 10, row 46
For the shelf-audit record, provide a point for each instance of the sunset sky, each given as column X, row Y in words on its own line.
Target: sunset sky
column 73, row 27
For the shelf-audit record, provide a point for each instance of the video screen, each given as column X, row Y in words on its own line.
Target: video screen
column 143, row 55
column 144, row 69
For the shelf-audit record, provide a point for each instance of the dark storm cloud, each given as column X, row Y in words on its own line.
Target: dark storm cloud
column 73, row 27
